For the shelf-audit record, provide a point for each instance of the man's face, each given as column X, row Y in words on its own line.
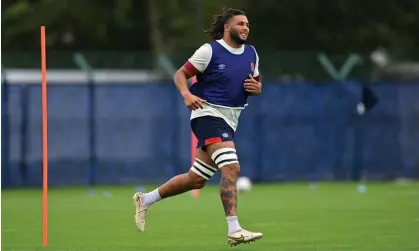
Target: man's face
column 239, row 29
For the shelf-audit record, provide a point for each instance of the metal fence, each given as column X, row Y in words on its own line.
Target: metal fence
column 131, row 133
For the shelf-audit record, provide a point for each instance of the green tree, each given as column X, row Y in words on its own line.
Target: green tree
column 334, row 26
column 93, row 24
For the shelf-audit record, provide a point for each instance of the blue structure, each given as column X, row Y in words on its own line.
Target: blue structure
column 298, row 131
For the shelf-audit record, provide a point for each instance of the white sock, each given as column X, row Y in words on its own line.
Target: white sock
column 233, row 224
column 151, row 197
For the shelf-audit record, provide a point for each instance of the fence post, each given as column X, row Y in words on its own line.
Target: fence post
column 5, row 132
column 341, row 75
column 81, row 62
column 169, row 69
column 24, row 139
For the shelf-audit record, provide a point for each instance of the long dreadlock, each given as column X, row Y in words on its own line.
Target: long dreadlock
column 217, row 26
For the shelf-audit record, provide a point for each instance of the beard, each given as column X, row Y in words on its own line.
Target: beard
column 235, row 36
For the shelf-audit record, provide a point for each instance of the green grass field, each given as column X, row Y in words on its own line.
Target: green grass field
column 292, row 217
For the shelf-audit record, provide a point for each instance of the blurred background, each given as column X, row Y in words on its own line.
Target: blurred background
column 332, row 144
column 340, row 100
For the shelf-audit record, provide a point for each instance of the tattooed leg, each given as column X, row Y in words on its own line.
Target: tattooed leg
column 228, row 190
column 225, row 158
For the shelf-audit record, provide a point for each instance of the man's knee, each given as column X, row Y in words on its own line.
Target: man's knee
column 200, row 173
column 196, row 181
column 231, row 170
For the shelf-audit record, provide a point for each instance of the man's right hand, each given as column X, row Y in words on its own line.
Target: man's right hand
column 192, row 102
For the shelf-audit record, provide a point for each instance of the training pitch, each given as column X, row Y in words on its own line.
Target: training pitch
column 294, row 217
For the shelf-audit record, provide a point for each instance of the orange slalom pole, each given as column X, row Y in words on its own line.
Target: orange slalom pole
column 44, row 140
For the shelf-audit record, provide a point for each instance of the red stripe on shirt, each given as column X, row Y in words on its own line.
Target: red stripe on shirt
column 190, row 68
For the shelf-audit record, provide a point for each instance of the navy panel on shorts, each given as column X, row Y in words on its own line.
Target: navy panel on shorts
column 209, row 129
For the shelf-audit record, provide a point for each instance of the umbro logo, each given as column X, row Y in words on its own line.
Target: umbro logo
column 221, row 66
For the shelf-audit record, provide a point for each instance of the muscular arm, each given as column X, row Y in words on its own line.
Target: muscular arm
column 181, row 80
column 197, row 63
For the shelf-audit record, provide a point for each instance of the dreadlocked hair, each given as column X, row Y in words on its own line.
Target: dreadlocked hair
column 216, row 31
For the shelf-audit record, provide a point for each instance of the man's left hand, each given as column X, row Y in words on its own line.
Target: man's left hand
column 252, row 86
